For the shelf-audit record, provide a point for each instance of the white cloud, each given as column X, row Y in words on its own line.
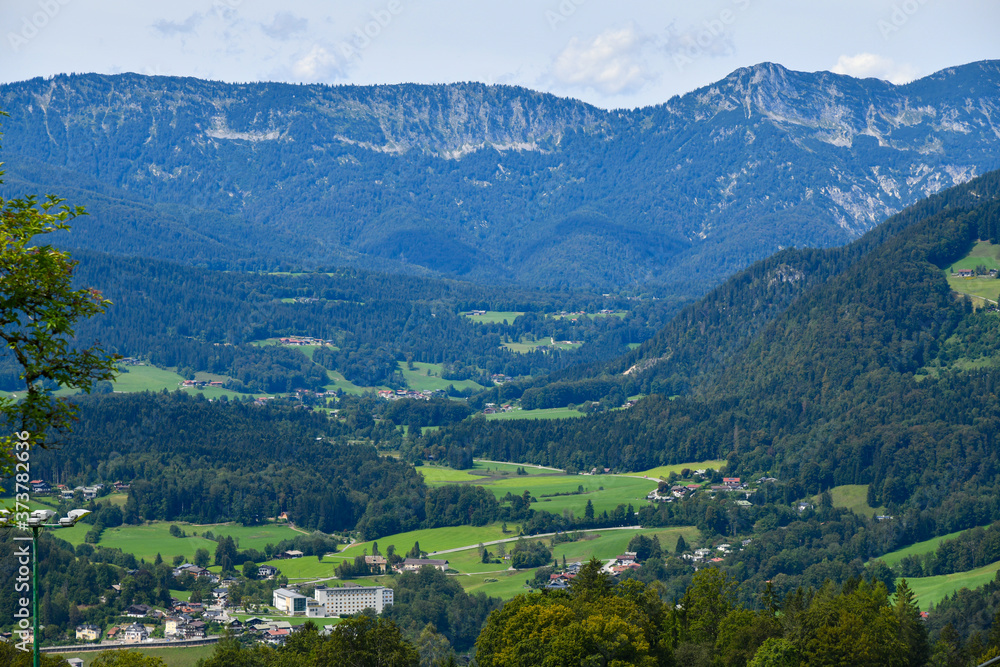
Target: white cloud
column 316, row 66
column 609, row 64
column 870, row 65
column 171, row 28
column 284, row 25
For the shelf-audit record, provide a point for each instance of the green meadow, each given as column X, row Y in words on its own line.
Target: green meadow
column 546, row 413
column 187, row 656
column 664, row 471
column 605, row 491
column 480, row 472
column 428, row 377
column 918, row 549
column 985, row 254
column 147, row 540
column 931, row 590
column 853, row 497
column 495, row 316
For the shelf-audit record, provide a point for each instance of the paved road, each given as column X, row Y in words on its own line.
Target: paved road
column 528, row 537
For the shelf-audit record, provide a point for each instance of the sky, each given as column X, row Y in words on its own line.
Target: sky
column 610, row 53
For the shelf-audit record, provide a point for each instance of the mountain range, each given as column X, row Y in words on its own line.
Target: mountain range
column 494, row 183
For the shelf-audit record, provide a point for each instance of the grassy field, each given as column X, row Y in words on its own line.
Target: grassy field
column 547, row 413
column 480, row 472
column 338, row 381
column 146, row 378
column 855, row 498
column 983, row 254
column 918, row 549
column 173, row 657
column 931, row 590
column 523, row 345
column 154, row 538
column 428, row 377
column 983, row 287
column 664, row 471
column 495, row 316
column 598, row 544
column 616, row 490
column 436, row 539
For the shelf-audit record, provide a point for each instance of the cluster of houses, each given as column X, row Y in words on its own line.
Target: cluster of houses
column 492, row 408
column 970, row 273
column 304, row 340
column 41, row 487
column 201, row 383
column 700, row 557
column 397, row 394
column 669, row 494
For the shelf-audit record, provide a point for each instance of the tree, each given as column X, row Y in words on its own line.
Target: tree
column 367, row 641
column 201, row 557
column 39, row 310
column 588, row 511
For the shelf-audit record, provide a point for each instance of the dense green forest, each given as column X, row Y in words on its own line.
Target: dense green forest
column 199, row 320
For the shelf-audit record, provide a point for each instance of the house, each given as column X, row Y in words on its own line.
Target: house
column 376, row 563
column 39, row 486
column 172, row 625
column 266, row 571
column 88, row 633
column 414, row 564
column 134, row 634
column 137, row 611
column 627, row 558
column 74, row 662
column 965, row 273
column 293, row 553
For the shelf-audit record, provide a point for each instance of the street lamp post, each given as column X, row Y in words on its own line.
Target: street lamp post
column 35, row 523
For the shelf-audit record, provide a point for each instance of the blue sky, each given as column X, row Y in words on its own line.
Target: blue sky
column 625, row 53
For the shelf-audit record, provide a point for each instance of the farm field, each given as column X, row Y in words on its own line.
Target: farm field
column 147, row 540
column 603, row 545
column 523, row 345
column 173, row 657
column 931, row 590
column 146, row 378
column 480, row 472
column 419, row 380
column 546, row 413
column 983, row 287
column 664, row 471
column 495, row 316
column 918, row 549
column 983, row 253
column 435, row 539
column 616, row 490
column 338, row 381
column 853, row 497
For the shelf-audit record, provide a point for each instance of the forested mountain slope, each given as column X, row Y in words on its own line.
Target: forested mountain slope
column 833, row 390
column 491, row 182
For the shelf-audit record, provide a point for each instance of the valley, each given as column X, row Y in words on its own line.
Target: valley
column 538, row 395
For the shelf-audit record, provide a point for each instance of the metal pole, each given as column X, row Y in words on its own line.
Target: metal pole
column 34, row 592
